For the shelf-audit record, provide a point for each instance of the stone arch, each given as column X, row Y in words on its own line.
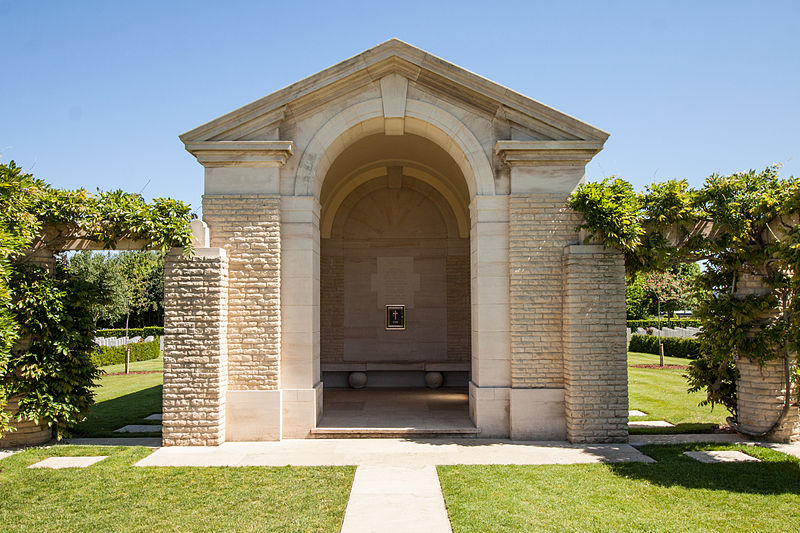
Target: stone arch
column 337, row 218
column 409, row 169
column 366, row 118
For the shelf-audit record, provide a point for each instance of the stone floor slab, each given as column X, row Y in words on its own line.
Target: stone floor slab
column 68, row 462
column 391, row 452
column 636, row 412
column 722, row 456
column 393, row 499
column 139, row 428
column 650, row 424
column 154, row 416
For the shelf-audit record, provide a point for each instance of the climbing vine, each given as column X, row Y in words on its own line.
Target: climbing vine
column 47, row 314
column 743, row 226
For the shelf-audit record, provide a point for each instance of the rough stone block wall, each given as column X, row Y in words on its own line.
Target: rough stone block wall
column 195, row 351
column 760, row 395
column 595, row 351
column 332, row 306
column 248, row 228
column 459, row 325
column 539, row 228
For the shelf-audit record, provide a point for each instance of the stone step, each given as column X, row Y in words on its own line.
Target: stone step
column 391, row 433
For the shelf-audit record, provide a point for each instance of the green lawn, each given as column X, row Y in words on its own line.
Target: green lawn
column 661, row 393
column 674, row 494
column 115, row 496
column 126, row 399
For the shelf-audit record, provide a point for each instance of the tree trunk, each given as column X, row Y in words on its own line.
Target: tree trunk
column 127, row 345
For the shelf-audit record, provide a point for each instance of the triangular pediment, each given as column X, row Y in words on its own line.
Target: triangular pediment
column 524, row 118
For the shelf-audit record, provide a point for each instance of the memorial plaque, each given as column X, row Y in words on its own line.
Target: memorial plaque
column 395, row 317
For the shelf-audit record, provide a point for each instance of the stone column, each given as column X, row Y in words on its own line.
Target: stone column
column 595, row 356
column 489, row 387
column 761, row 390
column 195, row 348
column 301, row 388
column 27, row 432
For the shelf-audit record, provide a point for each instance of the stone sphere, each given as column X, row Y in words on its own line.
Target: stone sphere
column 434, row 380
column 357, row 380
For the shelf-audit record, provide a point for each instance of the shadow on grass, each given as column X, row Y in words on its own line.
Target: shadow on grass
column 104, row 417
column 776, row 474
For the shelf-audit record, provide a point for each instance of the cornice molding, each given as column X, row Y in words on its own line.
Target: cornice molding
column 539, row 153
column 241, row 153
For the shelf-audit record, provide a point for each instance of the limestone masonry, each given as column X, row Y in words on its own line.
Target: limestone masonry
column 393, row 179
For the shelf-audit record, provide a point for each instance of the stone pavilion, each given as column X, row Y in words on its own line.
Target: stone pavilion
column 393, row 222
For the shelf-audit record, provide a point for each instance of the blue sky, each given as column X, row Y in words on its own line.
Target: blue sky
column 95, row 94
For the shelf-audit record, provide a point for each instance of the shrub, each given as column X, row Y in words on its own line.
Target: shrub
column 654, row 323
column 132, row 332
column 673, row 347
column 114, row 355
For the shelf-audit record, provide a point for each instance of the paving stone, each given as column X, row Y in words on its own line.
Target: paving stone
column 139, row 428
column 68, row 462
column 399, row 499
column 6, row 453
column 650, row 424
column 789, row 449
column 155, row 416
column 722, row 456
column 636, row 412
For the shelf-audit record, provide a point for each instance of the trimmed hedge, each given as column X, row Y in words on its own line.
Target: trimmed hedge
column 155, row 331
column 654, row 323
column 114, row 355
column 673, row 347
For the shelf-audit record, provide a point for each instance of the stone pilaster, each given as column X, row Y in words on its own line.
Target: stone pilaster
column 489, row 389
column 595, row 357
column 195, row 348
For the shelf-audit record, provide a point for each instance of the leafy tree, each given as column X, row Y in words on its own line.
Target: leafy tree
column 102, row 270
column 47, row 315
column 745, row 224
column 134, row 280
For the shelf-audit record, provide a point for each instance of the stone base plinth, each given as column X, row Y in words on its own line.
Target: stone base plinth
column 761, row 392
column 26, row 432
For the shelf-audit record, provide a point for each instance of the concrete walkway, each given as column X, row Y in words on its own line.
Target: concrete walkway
column 391, row 452
column 686, row 438
column 396, row 499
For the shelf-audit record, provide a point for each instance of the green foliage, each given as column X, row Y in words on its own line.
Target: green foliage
column 611, row 211
column 47, row 318
column 674, row 347
column 135, row 281
column 52, row 371
column 655, row 323
column 112, row 355
column 745, row 224
column 155, row 331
